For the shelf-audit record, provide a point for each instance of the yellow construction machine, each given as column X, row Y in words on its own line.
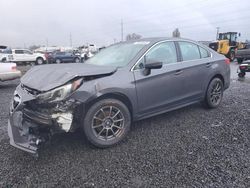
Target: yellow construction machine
column 227, row 44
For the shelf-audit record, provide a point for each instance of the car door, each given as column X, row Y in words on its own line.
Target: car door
column 162, row 88
column 18, row 55
column 69, row 57
column 195, row 64
column 61, row 56
column 66, row 57
column 28, row 55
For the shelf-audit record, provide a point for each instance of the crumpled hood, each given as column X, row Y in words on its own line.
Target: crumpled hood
column 47, row 77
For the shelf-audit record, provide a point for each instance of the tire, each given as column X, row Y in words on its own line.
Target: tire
column 4, row 60
column 231, row 55
column 239, row 60
column 241, row 74
column 77, row 60
column 110, row 128
column 214, row 93
column 58, row 61
column 39, row 61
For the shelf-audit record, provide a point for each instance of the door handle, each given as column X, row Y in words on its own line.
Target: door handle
column 208, row 64
column 178, row 72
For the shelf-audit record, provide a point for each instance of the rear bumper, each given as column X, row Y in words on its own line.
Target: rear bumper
column 10, row 75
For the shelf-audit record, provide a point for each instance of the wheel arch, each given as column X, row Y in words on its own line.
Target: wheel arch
column 218, row 76
column 118, row 96
column 39, row 57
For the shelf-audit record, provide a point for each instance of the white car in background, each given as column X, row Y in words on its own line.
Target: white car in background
column 5, row 57
column 8, row 71
column 25, row 55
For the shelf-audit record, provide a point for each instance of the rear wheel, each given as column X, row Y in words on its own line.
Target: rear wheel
column 4, row 60
column 39, row 61
column 214, row 93
column 241, row 74
column 107, row 122
column 58, row 61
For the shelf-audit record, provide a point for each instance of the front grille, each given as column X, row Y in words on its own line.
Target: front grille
column 37, row 117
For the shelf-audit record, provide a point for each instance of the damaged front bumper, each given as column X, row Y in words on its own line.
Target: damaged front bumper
column 31, row 124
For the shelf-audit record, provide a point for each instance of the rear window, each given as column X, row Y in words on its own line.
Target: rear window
column 204, row 52
column 189, row 51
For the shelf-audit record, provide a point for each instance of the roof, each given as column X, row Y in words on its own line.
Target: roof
column 158, row 39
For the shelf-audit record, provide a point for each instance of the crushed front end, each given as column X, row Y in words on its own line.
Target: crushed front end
column 33, row 121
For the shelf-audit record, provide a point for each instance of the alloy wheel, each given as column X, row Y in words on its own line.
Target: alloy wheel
column 216, row 93
column 108, row 123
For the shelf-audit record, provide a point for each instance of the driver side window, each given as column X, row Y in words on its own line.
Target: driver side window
column 163, row 52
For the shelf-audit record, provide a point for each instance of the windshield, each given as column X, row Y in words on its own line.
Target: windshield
column 117, row 55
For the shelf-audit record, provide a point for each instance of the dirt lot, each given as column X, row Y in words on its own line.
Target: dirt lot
column 190, row 147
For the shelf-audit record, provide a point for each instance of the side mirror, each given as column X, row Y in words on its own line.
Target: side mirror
column 151, row 64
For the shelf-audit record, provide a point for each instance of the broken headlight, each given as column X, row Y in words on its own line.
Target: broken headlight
column 60, row 93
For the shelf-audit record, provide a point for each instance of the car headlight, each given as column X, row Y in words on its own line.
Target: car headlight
column 60, row 93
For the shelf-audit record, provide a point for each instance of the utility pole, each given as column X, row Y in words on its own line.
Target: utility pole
column 217, row 34
column 121, row 30
column 70, row 39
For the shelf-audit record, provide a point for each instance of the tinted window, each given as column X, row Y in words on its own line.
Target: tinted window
column 189, row 51
column 18, row 51
column 27, row 52
column 68, row 53
column 60, row 53
column 164, row 52
column 204, row 52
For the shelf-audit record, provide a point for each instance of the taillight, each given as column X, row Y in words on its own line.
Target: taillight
column 13, row 68
column 243, row 67
column 227, row 61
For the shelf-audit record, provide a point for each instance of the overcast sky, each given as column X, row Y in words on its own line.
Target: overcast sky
column 29, row 22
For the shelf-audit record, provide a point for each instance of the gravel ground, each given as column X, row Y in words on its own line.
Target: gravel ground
column 190, row 147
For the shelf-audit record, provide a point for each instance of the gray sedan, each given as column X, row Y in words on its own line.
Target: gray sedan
column 123, row 83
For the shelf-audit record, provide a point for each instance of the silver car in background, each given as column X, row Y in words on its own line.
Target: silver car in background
column 123, row 83
column 8, row 71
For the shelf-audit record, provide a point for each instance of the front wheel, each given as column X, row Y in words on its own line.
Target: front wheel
column 107, row 122
column 58, row 61
column 214, row 93
column 77, row 60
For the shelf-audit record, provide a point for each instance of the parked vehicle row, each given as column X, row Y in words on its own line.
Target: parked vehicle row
column 21, row 56
column 123, row 83
column 63, row 57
